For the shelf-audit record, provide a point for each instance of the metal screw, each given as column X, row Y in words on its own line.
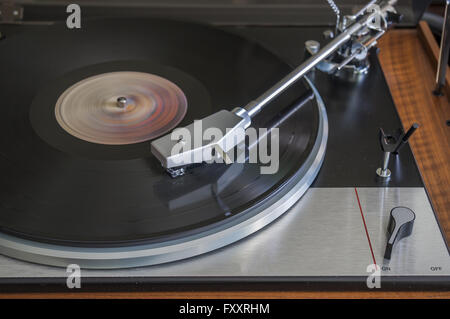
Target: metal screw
column 384, row 173
column 328, row 34
column 312, row 46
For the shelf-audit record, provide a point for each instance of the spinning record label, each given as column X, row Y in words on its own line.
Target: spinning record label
column 120, row 108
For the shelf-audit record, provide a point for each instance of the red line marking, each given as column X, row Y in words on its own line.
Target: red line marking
column 365, row 227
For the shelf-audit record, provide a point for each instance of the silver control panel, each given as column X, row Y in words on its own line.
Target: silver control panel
column 329, row 232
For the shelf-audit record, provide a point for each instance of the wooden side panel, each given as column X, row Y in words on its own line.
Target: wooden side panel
column 432, row 48
column 410, row 74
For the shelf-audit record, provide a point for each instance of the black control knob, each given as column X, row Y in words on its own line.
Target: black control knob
column 400, row 225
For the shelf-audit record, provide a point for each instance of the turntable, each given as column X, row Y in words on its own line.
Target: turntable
column 89, row 176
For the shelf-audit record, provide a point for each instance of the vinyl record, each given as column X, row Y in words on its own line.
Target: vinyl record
column 79, row 181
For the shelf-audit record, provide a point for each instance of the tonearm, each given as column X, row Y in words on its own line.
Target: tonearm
column 356, row 35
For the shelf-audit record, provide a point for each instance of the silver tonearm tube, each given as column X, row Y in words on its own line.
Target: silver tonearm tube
column 240, row 118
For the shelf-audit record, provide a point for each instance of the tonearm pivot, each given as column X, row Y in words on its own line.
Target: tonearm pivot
column 351, row 60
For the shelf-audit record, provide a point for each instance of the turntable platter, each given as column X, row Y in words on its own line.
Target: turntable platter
column 70, row 185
